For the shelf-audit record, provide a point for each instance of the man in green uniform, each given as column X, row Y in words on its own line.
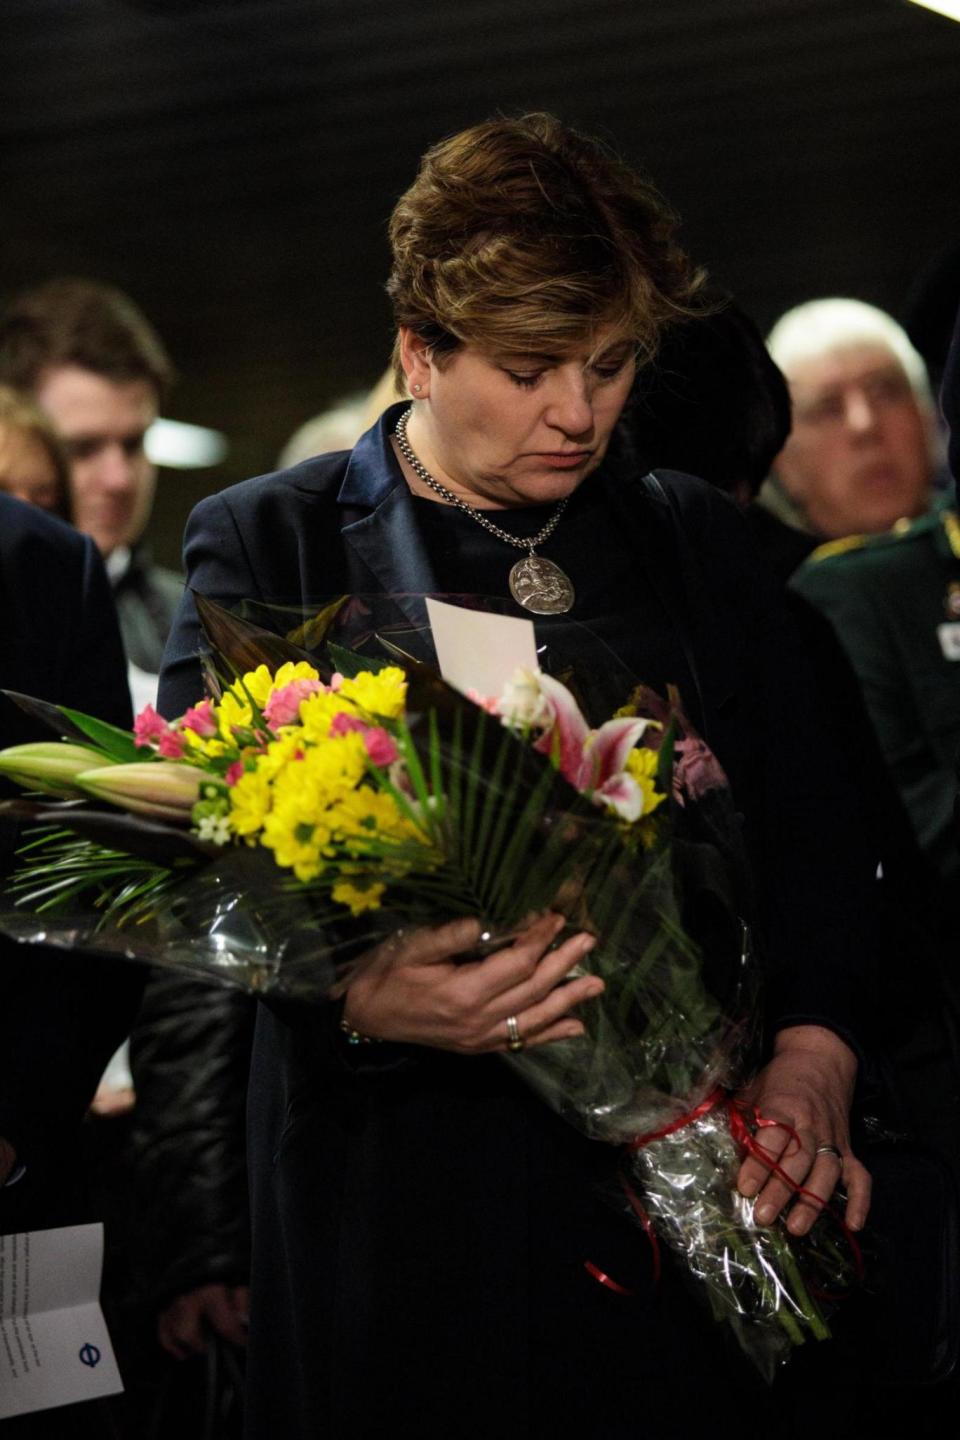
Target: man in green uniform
column 856, row 473
column 894, row 601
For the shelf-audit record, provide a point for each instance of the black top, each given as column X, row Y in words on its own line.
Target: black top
column 614, row 599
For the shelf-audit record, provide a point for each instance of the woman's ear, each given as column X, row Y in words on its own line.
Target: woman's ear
column 414, row 357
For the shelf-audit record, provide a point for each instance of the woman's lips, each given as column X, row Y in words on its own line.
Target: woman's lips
column 564, row 459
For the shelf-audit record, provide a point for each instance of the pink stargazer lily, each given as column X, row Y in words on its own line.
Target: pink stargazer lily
column 592, row 760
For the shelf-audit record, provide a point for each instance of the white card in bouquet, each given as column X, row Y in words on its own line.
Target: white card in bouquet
column 54, row 1345
column 480, row 652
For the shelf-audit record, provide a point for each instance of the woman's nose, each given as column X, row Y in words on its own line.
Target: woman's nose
column 571, row 404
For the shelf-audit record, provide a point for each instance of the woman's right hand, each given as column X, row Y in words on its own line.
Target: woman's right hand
column 415, row 993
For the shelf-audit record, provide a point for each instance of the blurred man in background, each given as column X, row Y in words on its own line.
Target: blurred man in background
column 863, row 449
column 86, row 355
column 91, row 360
column 858, row 470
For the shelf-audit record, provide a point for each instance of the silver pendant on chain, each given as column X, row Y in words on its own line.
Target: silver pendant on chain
column 540, row 586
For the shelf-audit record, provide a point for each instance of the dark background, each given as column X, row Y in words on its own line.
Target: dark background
column 232, row 165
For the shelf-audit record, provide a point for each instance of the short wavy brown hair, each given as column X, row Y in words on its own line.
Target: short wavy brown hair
column 523, row 234
column 75, row 321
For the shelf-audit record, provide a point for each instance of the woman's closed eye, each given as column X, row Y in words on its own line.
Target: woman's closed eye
column 608, row 369
column 603, row 373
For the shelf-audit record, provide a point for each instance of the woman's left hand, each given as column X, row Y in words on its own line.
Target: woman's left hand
column 807, row 1087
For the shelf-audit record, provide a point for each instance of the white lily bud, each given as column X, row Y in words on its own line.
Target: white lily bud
column 49, row 765
column 163, row 789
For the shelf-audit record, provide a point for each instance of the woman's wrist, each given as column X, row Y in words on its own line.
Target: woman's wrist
column 821, row 1041
column 357, row 1037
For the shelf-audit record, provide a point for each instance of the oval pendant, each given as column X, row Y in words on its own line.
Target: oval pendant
column 540, row 586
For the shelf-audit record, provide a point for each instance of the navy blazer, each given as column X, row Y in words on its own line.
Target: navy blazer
column 345, row 523
column 390, row 1198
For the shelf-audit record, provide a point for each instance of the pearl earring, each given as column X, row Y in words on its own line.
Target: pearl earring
column 417, row 389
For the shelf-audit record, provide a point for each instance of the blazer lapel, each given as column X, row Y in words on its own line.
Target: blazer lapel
column 380, row 526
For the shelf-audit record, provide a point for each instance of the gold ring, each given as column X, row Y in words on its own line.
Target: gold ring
column 515, row 1040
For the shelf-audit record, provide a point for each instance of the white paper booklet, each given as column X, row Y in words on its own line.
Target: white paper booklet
column 54, row 1346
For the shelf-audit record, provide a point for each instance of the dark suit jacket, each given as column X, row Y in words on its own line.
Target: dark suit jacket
column 421, row 1221
column 61, row 1016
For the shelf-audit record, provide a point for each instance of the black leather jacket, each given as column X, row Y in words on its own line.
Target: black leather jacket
column 190, row 1055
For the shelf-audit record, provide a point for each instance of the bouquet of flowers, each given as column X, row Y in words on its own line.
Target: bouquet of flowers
column 283, row 827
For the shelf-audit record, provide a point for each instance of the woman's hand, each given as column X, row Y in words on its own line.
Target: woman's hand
column 415, row 993
column 185, row 1325
column 808, row 1086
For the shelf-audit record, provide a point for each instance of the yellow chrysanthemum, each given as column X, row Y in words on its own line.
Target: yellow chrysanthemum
column 201, row 745
column 250, row 800
column 292, row 670
column 336, row 765
column 367, row 814
column 300, row 847
column 382, row 694
column 358, row 899
column 233, row 712
column 280, row 753
column 254, row 685
column 318, row 711
column 297, row 829
column 642, row 766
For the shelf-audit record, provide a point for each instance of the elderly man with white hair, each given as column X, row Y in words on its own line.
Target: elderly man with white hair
column 863, row 448
column 857, row 472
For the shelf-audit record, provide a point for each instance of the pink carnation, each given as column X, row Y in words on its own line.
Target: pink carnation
column 234, row 772
column 172, row 745
column 148, row 726
column 200, row 718
column 283, row 707
column 343, row 723
column 381, row 747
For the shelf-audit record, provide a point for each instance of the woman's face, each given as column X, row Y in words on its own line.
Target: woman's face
column 507, row 429
column 27, row 471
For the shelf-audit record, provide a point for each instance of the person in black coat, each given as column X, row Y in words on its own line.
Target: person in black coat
column 420, row 1219
column 61, row 1018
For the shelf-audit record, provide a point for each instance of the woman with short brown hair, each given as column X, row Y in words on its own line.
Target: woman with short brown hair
column 420, row 1219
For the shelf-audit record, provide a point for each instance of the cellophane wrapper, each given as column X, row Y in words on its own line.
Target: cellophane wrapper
column 676, row 1029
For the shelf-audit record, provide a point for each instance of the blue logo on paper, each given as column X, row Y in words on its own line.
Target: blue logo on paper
column 89, row 1355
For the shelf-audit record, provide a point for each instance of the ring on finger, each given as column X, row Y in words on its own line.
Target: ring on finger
column 830, row 1150
column 515, row 1040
